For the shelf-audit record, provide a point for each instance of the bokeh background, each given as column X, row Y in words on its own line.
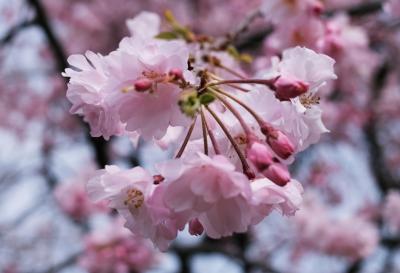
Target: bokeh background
column 351, row 176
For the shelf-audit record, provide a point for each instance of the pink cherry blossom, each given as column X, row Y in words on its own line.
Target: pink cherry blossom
column 308, row 66
column 115, row 92
column 209, row 189
column 352, row 237
column 115, row 250
column 300, row 118
column 87, row 95
column 267, row 196
column 133, row 194
column 72, row 198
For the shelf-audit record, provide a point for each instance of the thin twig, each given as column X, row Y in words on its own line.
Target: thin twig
column 232, row 109
column 212, row 138
column 242, row 158
column 259, row 120
column 12, row 32
column 204, row 129
column 186, row 140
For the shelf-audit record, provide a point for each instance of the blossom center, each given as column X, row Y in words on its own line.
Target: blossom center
column 134, row 199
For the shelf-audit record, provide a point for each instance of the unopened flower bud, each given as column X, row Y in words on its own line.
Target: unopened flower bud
column 287, row 88
column 280, row 144
column 317, row 8
column 142, row 85
column 157, row 179
column 176, row 73
column 195, row 227
column 277, row 173
column 259, row 154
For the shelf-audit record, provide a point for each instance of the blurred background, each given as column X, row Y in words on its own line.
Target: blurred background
column 350, row 220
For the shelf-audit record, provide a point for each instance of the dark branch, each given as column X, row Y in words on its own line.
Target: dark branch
column 12, row 32
column 99, row 145
column 359, row 10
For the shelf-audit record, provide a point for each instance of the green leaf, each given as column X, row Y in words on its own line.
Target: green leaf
column 206, row 98
column 233, row 52
column 167, row 36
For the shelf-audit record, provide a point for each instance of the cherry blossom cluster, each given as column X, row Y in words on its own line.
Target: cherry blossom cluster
column 72, row 198
column 234, row 134
column 115, row 249
column 351, row 237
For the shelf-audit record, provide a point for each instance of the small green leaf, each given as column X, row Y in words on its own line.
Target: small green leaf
column 167, row 36
column 189, row 102
column 233, row 52
column 206, row 98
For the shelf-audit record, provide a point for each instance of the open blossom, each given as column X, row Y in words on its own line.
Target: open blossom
column 300, row 117
column 210, row 190
column 156, row 59
column 115, row 250
column 133, row 195
column 316, row 230
column 110, row 92
column 73, row 200
column 308, row 66
column 86, row 93
column 267, row 196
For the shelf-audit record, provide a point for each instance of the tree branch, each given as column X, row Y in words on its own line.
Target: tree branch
column 12, row 32
column 99, row 145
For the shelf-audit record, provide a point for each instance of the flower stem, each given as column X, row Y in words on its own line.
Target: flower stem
column 269, row 83
column 186, row 140
column 204, row 128
column 212, row 137
column 245, row 165
column 232, row 109
column 215, row 77
column 259, row 120
column 233, row 72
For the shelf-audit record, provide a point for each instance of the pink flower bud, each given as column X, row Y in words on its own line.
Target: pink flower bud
column 195, row 227
column 259, row 154
column 277, row 173
column 176, row 73
column 158, row 179
column 280, row 144
column 142, row 85
column 317, row 8
column 287, row 88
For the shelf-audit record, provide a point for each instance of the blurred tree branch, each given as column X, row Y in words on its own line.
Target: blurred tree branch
column 99, row 145
column 14, row 31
